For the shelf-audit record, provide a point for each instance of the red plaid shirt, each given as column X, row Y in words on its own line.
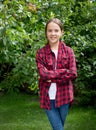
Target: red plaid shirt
column 63, row 75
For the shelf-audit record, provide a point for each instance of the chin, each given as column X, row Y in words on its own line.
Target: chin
column 53, row 42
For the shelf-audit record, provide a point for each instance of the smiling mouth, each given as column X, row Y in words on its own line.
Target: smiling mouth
column 53, row 38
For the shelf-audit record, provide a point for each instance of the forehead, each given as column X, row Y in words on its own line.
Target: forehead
column 53, row 25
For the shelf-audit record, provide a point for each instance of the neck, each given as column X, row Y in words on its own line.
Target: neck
column 54, row 46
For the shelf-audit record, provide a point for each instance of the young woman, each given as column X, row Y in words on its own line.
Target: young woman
column 57, row 69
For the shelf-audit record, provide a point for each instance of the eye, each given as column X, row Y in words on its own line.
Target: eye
column 49, row 30
column 56, row 30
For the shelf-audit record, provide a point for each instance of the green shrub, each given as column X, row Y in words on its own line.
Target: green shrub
column 22, row 33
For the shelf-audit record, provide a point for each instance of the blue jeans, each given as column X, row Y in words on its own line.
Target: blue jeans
column 57, row 116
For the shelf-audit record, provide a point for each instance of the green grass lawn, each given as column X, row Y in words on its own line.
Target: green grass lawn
column 22, row 112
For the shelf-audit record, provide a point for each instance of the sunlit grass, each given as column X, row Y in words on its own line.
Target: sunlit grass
column 22, row 112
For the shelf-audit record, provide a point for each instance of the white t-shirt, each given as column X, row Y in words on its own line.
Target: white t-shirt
column 53, row 88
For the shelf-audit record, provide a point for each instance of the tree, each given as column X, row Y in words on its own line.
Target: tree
column 22, row 33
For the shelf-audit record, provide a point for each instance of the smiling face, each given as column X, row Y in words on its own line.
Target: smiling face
column 53, row 33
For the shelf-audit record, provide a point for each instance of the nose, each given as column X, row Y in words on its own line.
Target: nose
column 53, row 33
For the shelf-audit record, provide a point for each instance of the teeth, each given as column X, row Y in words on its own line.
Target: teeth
column 52, row 38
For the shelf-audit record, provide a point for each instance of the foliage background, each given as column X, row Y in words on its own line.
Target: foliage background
column 22, row 33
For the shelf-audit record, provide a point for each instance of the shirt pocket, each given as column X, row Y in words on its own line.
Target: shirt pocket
column 65, row 62
column 49, row 63
column 49, row 66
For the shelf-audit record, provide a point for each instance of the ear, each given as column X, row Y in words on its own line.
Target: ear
column 62, row 32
